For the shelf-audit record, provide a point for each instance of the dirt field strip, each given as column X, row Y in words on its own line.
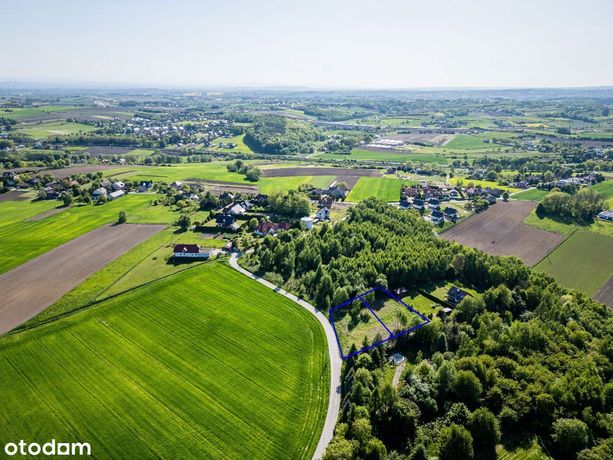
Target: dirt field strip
column 14, row 195
column 63, row 173
column 605, row 294
column 501, row 231
column 30, row 288
column 306, row 171
column 48, row 213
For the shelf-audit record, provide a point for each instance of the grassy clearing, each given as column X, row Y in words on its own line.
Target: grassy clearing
column 206, row 363
column 269, row 185
column 216, row 170
column 138, row 154
column 365, row 327
column 583, row 261
column 533, row 194
column 566, row 226
column 34, row 238
column 381, row 187
column 606, row 190
column 238, row 140
column 466, row 142
column 483, row 183
column 55, row 129
column 526, row 451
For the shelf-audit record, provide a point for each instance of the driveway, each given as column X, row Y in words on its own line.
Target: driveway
column 334, row 402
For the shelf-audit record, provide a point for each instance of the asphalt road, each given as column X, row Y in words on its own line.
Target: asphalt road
column 334, row 402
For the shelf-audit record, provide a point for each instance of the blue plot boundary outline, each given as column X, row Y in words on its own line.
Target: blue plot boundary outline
column 391, row 336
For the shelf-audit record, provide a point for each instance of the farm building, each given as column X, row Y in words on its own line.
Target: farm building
column 606, row 215
column 190, row 251
column 116, row 194
column 455, row 295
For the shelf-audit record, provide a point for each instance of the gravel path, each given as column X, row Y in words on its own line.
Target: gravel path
column 334, row 402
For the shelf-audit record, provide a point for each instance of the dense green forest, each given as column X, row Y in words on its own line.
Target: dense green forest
column 525, row 358
column 278, row 135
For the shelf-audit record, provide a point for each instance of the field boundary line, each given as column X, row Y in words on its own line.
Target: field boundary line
column 546, row 256
column 334, row 399
column 93, row 303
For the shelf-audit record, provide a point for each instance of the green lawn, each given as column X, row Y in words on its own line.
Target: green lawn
column 381, row 187
column 269, row 185
column 55, row 129
column 583, row 261
column 34, row 238
column 355, row 332
column 29, row 112
column 206, row 363
column 533, row 194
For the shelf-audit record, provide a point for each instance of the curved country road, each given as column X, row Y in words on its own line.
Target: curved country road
column 334, row 402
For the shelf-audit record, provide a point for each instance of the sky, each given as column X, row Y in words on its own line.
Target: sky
column 309, row 43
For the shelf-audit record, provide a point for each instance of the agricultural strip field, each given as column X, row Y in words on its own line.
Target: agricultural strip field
column 583, row 261
column 482, row 183
column 13, row 211
column 216, row 171
column 533, row 194
column 206, row 364
column 23, row 239
column 33, row 286
column 14, row 195
column 306, row 171
column 391, row 156
column 501, row 231
column 605, row 293
column 381, row 187
column 567, row 226
column 606, row 190
column 63, row 173
column 270, row 185
column 55, row 129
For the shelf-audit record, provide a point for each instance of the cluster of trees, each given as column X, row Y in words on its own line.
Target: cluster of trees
column 525, row 358
column 251, row 173
column 279, row 136
column 581, row 206
column 291, row 204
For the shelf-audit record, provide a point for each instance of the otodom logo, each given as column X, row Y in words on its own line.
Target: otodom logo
column 51, row 448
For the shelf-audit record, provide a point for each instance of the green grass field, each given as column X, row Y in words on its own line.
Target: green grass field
column 206, row 363
column 466, row 142
column 566, row 227
column 39, row 131
column 400, row 157
column 238, row 140
column 34, row 238
column 533, row 194
column 606, row 190
column 583, row 261
column 15, row 211
column 29, row 112
column 212, row 171
column 269, row 185
column 482, row 183
column 381, row 187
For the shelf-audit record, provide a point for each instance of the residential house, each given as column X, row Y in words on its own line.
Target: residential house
column 266, row 227
column 176, row 185
column 323, row 214
column 437, row 217
column 145, row 186
column 606, row 215
column 451, row 214
column 433, row 204
column 190, row 251
column 224, row 220
column 118, row 185
column 418, row 204
column 491, row 199
column 454, row 194
column 100, row 191
column 455, row 295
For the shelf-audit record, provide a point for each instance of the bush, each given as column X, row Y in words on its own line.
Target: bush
column 569, row 436
column 122, row 218
column 456, row 444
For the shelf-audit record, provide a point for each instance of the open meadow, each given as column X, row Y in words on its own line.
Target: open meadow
column 204, row 363
column 42, row 130
column 583, row 261
column 35, row 237
column 384, row 188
